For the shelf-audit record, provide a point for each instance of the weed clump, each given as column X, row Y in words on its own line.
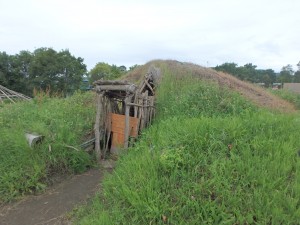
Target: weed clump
column 62, row 122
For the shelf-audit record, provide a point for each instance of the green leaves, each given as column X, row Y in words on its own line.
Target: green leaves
column 105, row 71
column 42, row 69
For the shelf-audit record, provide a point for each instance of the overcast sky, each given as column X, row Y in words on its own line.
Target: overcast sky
column 206, row 32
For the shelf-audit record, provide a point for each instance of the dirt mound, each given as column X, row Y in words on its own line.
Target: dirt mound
column 257, row 95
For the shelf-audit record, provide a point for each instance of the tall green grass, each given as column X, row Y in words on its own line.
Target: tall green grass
column 211, row 157
column 289, row 96
column 62, row 122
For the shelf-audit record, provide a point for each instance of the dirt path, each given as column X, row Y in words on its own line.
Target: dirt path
column 50, row 207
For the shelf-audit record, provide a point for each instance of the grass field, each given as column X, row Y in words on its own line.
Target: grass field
column 288, row 95
column 211, row 157
column 63, row 123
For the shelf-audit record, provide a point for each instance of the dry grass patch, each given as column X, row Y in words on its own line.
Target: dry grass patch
column 257, row 95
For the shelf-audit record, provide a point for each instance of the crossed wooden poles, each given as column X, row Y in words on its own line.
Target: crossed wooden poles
column 123, row 111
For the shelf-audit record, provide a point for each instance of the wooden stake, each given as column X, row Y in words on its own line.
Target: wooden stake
column 99, row 102
column 126, row 132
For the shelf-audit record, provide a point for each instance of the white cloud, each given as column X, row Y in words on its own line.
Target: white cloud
column 207, row 32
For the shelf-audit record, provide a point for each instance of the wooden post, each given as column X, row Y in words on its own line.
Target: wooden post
column 146, row 112
column 136, row 98
column 142, row 116
column 99, row 102
column 126, row 132
column 108, row 125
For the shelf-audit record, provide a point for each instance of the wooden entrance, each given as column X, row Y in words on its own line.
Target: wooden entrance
column 123, row 110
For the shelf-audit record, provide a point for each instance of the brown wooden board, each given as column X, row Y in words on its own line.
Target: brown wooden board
column 118, row 128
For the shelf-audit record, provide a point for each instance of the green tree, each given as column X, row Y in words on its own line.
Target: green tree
column 286, row 74
column 20, row 71
column 297, row 77
column 105, row 71
column 133, row 67
column 5, row 69
column 267, row 76
column 72, row 70
column 59, row 71
column 248, row 72
column 123, row 68
column 115, row 72
column 230, row 68
column 297, row 74
column 100, row 71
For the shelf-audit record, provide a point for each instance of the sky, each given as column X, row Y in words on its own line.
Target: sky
column 205, row 32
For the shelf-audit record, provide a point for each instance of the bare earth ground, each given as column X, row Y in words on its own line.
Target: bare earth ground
column 50, row 207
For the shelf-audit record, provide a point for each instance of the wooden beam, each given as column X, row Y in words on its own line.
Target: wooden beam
column 110, row 82
column 127, row 88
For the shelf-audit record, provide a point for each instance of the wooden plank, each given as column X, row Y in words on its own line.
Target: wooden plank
column 118, row 128
column 118, row 124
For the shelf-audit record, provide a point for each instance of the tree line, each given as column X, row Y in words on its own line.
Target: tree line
column 42, row 69
column 49, row 70
column 61, row 72
column 249, row 72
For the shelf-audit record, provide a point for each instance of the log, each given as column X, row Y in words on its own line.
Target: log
column 136, row 98
column 142, row 114
column 108, row 126
column 110, row 82
column 127, row 88
column 99, row 111
column 126, row 132
column 146, row 103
